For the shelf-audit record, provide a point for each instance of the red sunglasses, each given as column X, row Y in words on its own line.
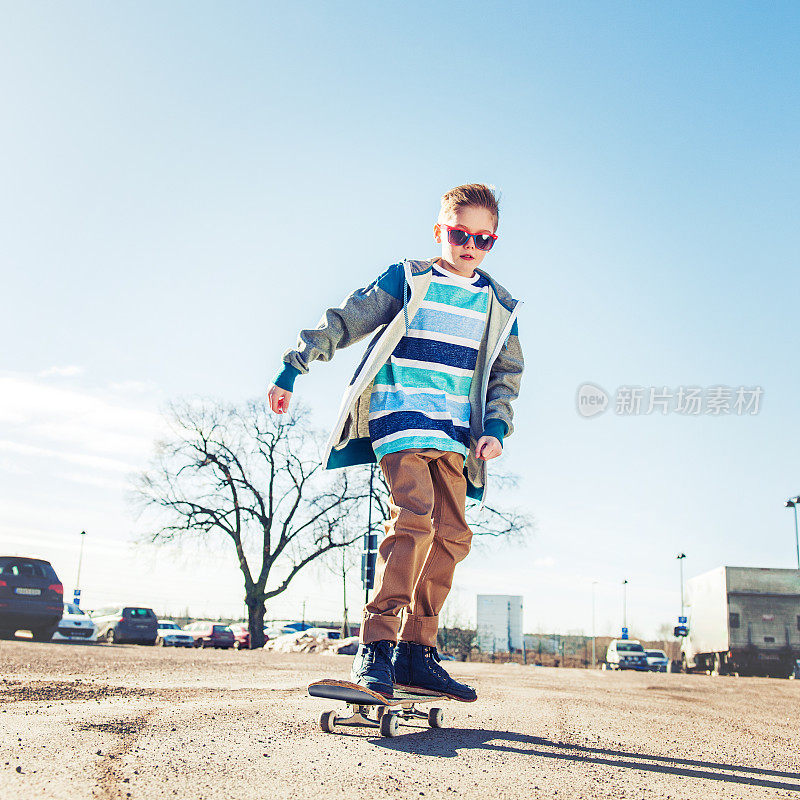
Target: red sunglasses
column 459, row 237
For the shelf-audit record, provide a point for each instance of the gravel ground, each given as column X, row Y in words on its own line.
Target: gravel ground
column 123, row 721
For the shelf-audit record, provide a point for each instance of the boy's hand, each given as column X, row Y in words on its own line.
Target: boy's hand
column 488, row 447
column 279, row 399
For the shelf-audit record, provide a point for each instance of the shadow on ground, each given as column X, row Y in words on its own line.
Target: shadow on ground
column 448, row 743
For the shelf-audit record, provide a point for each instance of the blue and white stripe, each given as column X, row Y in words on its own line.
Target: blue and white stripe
column 420, row 397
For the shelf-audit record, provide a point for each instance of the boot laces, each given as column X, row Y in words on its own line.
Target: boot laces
column 433, row 653
column 372, row 649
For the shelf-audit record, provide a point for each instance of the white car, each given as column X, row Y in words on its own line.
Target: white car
column 626, row 654
column 75, row 626
column 657, row 660
column 170, row 634
column 327, row 633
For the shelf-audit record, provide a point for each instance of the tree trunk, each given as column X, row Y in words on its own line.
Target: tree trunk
column 255, row 620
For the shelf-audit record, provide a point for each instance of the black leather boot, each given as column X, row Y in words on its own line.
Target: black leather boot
column 372, row 667
column 418, row 666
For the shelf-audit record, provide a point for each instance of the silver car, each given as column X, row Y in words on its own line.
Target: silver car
column 657, row 660
column 170, row 634
column 626, row 654
column 75, row 625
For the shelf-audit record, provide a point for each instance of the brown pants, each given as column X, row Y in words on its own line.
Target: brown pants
column 426, row 536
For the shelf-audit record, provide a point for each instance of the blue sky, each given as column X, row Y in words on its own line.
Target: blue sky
column 187, row 185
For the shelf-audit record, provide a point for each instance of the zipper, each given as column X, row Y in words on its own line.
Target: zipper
column 350, row 394
column 498, row 347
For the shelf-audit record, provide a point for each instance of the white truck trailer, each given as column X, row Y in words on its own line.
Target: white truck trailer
column 744, row 620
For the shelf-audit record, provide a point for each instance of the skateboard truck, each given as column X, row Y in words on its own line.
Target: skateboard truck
column 386, row 719
column 388, row 713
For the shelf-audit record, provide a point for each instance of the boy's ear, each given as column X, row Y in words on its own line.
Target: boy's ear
column 437, row 233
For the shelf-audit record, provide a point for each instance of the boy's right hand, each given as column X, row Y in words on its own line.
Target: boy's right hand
column 279, row 399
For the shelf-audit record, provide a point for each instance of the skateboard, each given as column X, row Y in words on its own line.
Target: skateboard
column 388, row 713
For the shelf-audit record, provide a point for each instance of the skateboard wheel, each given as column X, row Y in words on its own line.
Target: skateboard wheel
column 389, row 725
column 379, row 712
column 328, row 721
column 435, row 717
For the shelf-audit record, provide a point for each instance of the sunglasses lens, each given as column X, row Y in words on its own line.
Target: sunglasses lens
column 457, row 237
column 484, row 242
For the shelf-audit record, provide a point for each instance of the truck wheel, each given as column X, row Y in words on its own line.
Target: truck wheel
column 718, row 666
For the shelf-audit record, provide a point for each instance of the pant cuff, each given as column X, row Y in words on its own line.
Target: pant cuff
column 422, row 630
column 376, row 627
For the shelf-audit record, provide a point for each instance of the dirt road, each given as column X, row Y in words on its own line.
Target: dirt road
column 105, row 721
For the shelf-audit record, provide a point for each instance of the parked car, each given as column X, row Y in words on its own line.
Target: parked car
column 626, row 654
column 211, row 634
column 328, row 633
column 31, row 597
column 293, row 627
column 170, row 634
column 241, row 635
column 120, row 623
column 75, row 625
column 657, row 660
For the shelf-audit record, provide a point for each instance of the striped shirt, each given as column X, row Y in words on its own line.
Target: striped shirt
column 420, row 396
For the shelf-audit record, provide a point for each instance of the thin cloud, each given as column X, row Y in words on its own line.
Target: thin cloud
column 75, row 423
column 62, row 372
column 133, row 387
column 96, row 462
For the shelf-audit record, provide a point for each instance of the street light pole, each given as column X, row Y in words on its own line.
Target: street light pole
column 625, row 604
column 77, row 592
column 680, row 558
column 368, row 538
column 594, row 635
column 793, row 502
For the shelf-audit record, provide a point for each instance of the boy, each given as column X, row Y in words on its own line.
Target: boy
column 431, row 402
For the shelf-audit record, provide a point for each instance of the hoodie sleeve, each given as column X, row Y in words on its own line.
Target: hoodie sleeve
column 359, row 314
column 505, row 378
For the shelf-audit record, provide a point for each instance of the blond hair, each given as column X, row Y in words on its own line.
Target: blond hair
column 478, row 195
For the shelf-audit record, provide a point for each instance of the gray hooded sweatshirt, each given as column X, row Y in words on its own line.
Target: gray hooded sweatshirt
column 384, row 308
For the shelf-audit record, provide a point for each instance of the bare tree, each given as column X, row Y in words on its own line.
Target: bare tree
column 512, row 524
column 254, row 478
column 341, row 563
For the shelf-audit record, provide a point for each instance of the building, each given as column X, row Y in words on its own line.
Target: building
column 499, row 623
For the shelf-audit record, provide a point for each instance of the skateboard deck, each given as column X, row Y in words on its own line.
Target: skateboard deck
column 388, row 712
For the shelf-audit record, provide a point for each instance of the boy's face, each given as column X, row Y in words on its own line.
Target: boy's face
column 472, row 219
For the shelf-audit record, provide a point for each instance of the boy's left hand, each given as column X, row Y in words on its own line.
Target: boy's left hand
column 488, row 447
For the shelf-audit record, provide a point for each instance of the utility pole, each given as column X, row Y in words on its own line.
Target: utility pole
column 345, row 625
column 370, row 553
column 508, row 626
column 369, row 533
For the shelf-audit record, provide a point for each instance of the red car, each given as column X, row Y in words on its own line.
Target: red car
column 241, row 635
column 211, row 634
